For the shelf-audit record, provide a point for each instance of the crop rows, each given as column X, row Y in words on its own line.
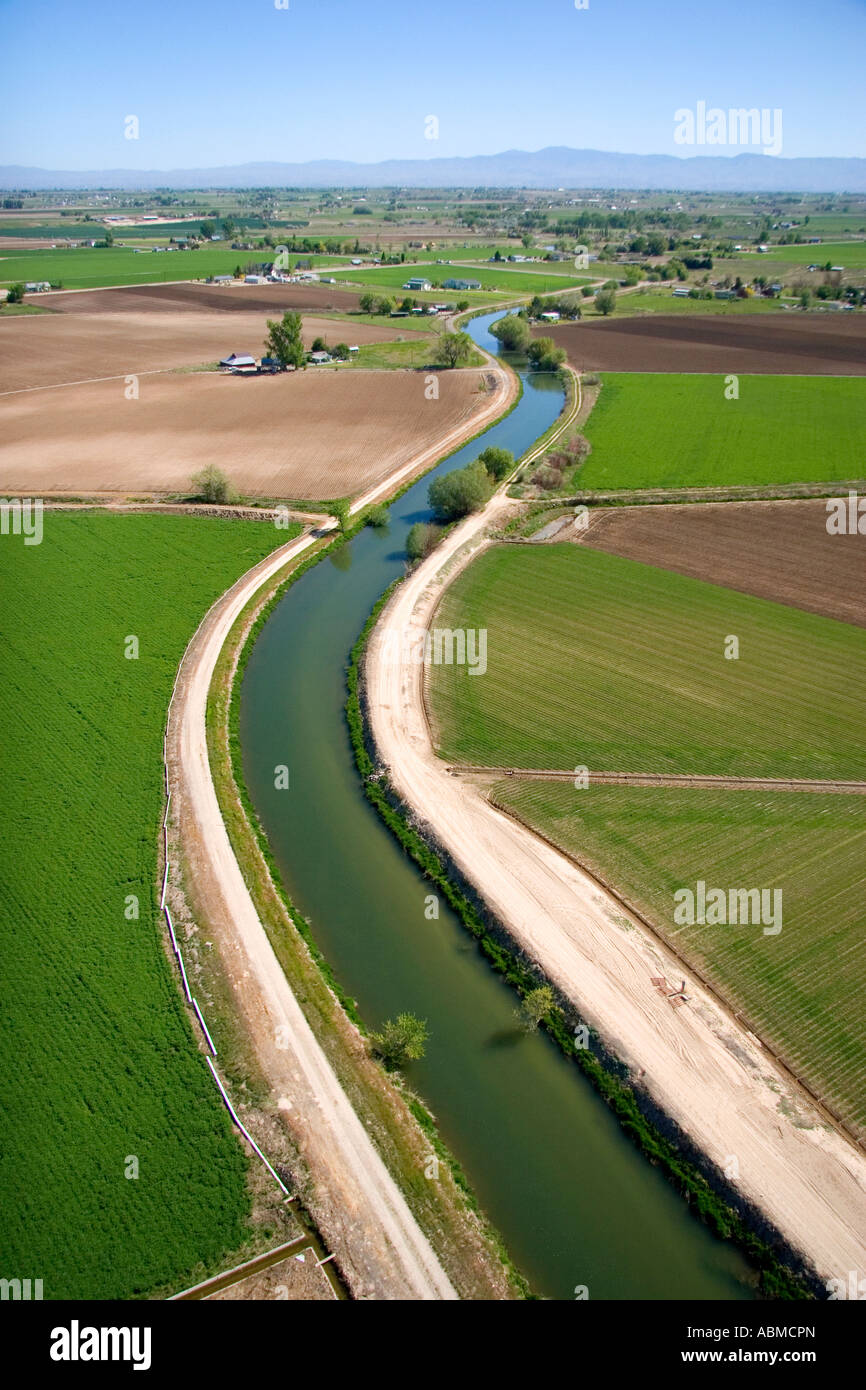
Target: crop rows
column 801, row 989
column 99, row 1065
column 604, row 662
column 681, row 430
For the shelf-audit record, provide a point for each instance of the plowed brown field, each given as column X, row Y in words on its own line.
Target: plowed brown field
column 775, row 550
column 314, row 434
column 59, row 349
column 189, row 295
column 815, row 344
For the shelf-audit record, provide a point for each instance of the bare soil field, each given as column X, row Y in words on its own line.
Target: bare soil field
column 775, row 550
column 230, row 299
column 784, row 344
column 59, row 349
column 315, row 434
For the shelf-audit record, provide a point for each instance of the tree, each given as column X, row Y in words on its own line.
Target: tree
column 384, row 306
column 545, row 356
column 401, row 1040
column 656, row 244
column 207, row 230
column 15, row 293
column 462, row 491
column 368, row 303
column 319, row 345
column 605, row 302
column 453, row 349
column 378, row 516
column 230, row 226
column 341, row 352
column 340, row 510
column 421, row 539
column 212, row 485
column 497, row 462
column 513, row 333
column 284, row 340
column 534, row 1006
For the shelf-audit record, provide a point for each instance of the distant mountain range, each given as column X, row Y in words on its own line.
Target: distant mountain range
column 553, row 168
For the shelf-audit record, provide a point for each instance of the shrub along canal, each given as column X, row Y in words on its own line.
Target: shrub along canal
column 576, row 1203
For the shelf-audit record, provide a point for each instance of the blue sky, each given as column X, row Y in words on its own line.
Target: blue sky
column 214, row 82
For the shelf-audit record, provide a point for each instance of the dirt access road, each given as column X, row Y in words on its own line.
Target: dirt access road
column 700, row 1066
column 358, row 1206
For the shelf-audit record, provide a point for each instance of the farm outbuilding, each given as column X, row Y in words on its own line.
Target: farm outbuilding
column 236, row 361
column 461, row 285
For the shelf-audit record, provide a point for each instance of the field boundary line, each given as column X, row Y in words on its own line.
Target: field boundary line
column 89, row 381
column 700, row 781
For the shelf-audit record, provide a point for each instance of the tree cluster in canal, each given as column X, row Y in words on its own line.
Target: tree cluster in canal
column 464, row 490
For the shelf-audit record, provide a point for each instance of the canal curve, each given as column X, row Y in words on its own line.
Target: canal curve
column 576, row 1203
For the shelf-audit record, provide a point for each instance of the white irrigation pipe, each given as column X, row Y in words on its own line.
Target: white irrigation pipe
column 164, row 886
column 243, row 1129
column 185, row 980
column 204, row 1027
column 171, row 929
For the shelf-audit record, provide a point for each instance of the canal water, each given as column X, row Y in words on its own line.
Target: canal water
column 576, row 1204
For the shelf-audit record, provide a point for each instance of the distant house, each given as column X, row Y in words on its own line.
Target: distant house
column 725, row 294
column 681, row 292
column 461, row 285
column 353, row 347
column 551, row 316
column 319, row 359
column 254, row 279
column 223, row 279
column 417, row 283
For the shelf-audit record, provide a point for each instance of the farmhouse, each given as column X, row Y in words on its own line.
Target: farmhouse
column 417, row 283
column 238, row 360
column 461, row 285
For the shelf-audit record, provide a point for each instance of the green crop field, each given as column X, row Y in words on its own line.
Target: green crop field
column 99, row 1061
column 662, row 301
column 679, row 430
column 89, row 267
column 604, row 662
column 492, row 277
column 802, row 989
column 850, row 254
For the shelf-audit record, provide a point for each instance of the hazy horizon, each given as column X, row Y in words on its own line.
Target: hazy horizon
column 216, row 85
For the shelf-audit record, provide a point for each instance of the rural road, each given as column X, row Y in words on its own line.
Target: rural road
column 700, row 1065
column 360, row 1210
